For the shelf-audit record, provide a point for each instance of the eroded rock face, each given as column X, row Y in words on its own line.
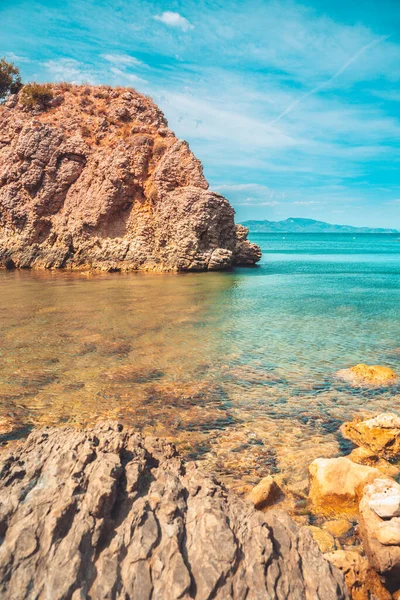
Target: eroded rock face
column 107, row 513
column 99, row 181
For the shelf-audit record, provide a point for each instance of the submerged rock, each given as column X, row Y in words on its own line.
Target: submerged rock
column 108, row 513
column 336, row 484
column 100, row 182
column 380, row 434
column 368, row 375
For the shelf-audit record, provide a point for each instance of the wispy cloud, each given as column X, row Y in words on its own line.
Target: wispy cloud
column 173, row 19
column 69, row 69
column 324, row 84
column 122, row 60
column 125, row 76
column 306, row 202
column 17, row 58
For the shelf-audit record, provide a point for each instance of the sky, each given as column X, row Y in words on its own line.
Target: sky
column 292, row 107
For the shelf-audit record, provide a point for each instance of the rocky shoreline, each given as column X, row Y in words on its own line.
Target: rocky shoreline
column 95, row 179
column 108, row 513
column 106, row 504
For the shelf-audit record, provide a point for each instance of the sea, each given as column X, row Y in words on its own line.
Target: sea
column 238, row 368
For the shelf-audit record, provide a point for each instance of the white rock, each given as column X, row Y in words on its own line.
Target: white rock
column 388, row 532
column 385, row 499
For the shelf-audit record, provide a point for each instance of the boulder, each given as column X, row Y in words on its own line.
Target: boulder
column 265, row 493
column 108, row 513
column 336, row 484
column 380, row 434
column 377, row 534
column 374, row 375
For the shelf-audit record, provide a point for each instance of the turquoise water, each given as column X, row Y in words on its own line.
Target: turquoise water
column 238, row 368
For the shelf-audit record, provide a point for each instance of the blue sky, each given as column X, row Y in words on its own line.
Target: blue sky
column 292, row 107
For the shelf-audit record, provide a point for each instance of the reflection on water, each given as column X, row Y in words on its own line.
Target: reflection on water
column 238, row 368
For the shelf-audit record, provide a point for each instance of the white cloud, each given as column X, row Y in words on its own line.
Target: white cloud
column 69, row 69
column 123, row 60
column 17, row 58
column 131, row 77
column 173, row 19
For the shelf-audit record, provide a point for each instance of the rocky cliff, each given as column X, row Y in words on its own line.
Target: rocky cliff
column 108, row 513
column 98, row 180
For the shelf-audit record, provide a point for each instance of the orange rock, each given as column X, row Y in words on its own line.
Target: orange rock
column 265, row 493
column 363, row 583
column 368, row 375
column 380, row 434
column 336, row 484
column 364, row 456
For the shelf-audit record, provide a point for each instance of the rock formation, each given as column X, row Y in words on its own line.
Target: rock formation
column 380, row 434
column 98, row 180
column 380, row 527
column 107, row 513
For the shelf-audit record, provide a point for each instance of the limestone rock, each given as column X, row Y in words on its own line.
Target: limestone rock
column 388, row 532
column 381, row 434
column 362, row 581
column 385, row 558
column 374, row 375
column 108, row 513
column 98, row 181
column 336, row 484
column 384, row 498
column 265, row 493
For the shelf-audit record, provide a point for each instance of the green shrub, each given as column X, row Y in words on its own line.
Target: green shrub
column 36, row 95
column 10, row 79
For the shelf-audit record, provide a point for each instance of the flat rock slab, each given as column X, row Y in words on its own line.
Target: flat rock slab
column 108, row 513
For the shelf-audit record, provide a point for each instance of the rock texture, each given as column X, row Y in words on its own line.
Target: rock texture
column 107, row 513
column 97, row 180
column 362, row 581
column 380, row 435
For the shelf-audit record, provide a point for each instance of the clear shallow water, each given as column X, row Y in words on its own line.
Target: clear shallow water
column 238, row 368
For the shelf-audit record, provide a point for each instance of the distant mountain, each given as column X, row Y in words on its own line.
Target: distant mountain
column 308, row 226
